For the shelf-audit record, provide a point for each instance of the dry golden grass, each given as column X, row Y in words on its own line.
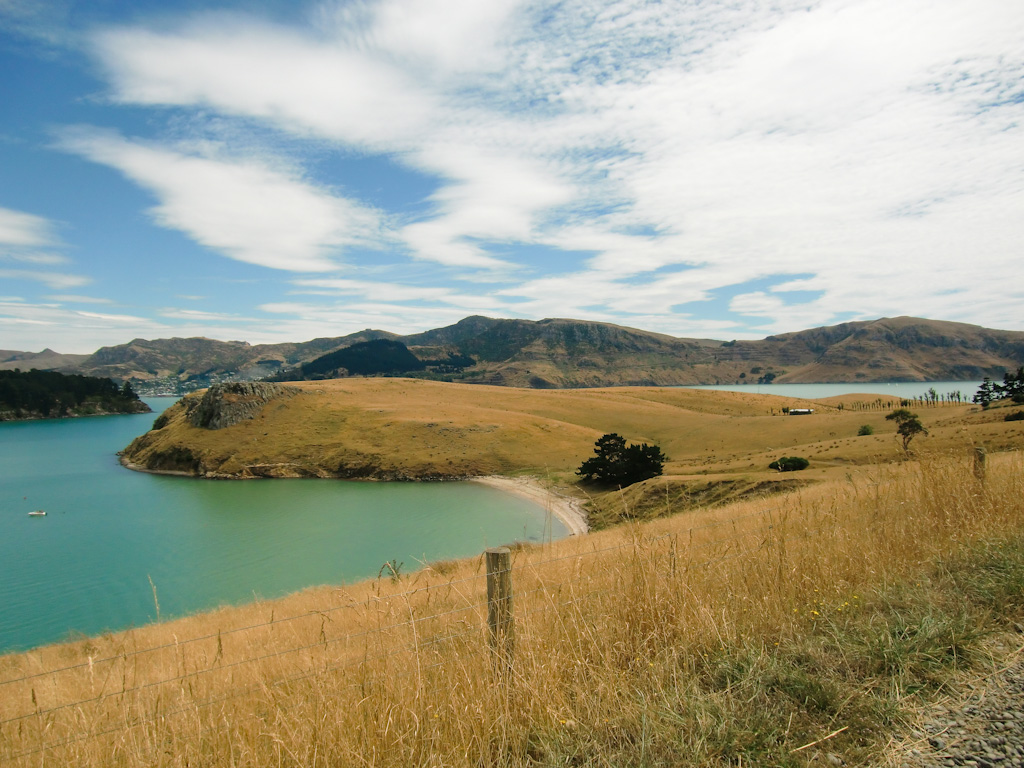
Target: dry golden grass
column 402, row 428
column 720, row 637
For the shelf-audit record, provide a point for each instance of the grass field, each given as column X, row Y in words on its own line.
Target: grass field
column 719, row 444
column 772, row 631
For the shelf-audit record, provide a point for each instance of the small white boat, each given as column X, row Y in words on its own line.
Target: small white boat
column 37, row 513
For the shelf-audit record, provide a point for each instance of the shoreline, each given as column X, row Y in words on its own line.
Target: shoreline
column 567, row 509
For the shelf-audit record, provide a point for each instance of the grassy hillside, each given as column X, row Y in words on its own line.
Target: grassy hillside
column 803, row 630
column 412, row 429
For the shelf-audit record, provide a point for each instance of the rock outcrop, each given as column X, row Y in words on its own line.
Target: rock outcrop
column 225, row 405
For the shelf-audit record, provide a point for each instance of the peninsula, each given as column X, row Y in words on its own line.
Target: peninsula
column 719, row 444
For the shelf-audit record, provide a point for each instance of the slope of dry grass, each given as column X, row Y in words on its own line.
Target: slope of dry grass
column 401, row 428
column 768, row 632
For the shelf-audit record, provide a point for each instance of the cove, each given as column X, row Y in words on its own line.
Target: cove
column 111, row 535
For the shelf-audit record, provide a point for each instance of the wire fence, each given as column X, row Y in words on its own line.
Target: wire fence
column 353, row 646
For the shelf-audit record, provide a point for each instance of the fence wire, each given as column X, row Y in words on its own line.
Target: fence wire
column 560, row 595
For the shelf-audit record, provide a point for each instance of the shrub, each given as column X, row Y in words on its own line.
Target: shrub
column 866, row 429
column 1018, row 416
column 789, row 464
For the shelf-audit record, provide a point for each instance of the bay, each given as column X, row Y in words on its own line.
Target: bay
column 900, row 389
column 111, row 535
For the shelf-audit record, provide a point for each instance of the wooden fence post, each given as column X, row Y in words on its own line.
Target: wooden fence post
column 499, row 603
column 980, row 463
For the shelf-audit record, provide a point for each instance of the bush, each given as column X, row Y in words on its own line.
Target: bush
column 1018, row 416
column 615, row 463
column 789, row 464
column 866, row 429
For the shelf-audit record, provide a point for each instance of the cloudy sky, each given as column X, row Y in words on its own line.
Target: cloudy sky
column 276, row 171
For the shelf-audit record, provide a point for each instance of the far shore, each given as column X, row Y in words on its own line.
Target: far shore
column 565, row 508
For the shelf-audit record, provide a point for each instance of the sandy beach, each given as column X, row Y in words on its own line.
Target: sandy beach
column 565, row 508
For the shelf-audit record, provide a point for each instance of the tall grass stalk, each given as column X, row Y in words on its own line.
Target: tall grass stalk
column 763, row 633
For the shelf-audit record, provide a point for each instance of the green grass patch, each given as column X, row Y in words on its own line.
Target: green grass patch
column 853, row 668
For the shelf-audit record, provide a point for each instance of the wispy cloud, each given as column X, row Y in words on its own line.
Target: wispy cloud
column 836, row 154
column 78, row 299
column 20, row 230
column 243, row 208
column 48, row 324
column 53, row 280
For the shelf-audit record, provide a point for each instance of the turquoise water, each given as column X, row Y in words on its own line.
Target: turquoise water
column 905, row 389
column 86, row 567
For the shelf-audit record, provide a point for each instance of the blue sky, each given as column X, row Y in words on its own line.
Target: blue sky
column 277, row 171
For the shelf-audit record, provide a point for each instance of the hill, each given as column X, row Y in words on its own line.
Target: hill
column 47, row 360
column 894, row 349
column 183, row 365
column 563, row 353
column 391, row 428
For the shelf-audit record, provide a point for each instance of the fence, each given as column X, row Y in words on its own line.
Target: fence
column 44, row 706
column 446, row 626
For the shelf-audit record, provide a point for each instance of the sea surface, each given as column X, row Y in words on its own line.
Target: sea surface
column 902, row 389
column 111, row 536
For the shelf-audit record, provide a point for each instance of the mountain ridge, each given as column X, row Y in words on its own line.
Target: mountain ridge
column 568, row 353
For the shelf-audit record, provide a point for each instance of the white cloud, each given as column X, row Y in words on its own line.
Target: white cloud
column 431, row 36
column 24, row 230
column 39, row 325
column 200, row 316
column 299, row 320
column 243, row 208
column 665, row 155
column 78, row 299
column 53, row 280
column 242, row 67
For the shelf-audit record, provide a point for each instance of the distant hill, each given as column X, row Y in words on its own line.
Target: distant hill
column 180, row 365
column 47, row 360
column 561, row 353
column 899, row 349
column 364, row 358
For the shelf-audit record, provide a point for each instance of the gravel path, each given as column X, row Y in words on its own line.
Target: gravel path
column 985, row 728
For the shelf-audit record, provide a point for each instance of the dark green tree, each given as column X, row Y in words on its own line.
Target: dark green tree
column 790, row 464
column 1013, row 385
column 615, row 463
column 987, row 392
column 908, row 426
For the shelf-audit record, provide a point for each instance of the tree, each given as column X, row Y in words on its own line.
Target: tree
column 789, row 464
column 616, row 463
column 1013, row 385
column 908, row 426
column 986, row 393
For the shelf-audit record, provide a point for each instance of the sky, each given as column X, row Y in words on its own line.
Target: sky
column 278, row 171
